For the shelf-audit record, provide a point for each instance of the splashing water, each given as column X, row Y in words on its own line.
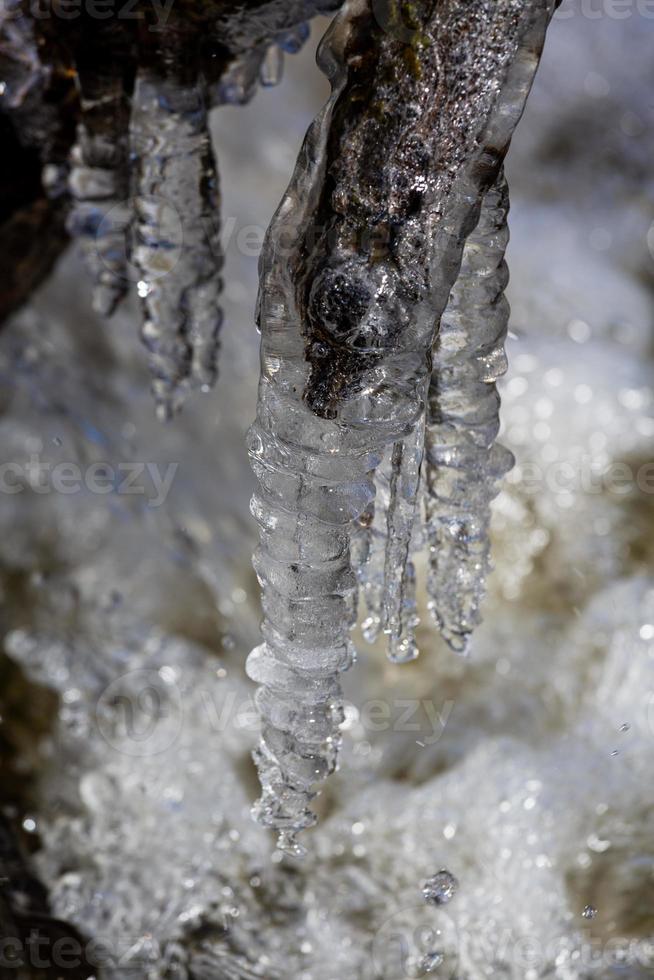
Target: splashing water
column 440, row 889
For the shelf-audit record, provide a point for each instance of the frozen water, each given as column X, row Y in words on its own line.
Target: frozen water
column 463, row 463
column 347, row 334
column 498, row 768
column 176, row 245
column 440, row 889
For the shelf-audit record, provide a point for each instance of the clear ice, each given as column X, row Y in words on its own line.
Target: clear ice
column 348, row 322
column 98, row 179
column 141, row 181
column 176, row 246
column 464, row 464
column 154, row 854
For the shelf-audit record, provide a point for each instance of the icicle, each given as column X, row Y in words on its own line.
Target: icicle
column 399, row 602
column 98, row 183
column 371, row 575
column 309, row 595
column 237, row 84
column 463, row 463
column 272, row 67
column 292, row 41
column 347, row 330
column 176, row 242
column 385, row 571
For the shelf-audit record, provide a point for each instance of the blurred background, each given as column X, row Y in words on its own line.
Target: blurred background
column 126, row 717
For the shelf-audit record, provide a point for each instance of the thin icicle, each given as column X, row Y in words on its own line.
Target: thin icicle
column 272, row 67
column 388, row 577
column 399, row 601
column 463, row 462
column 98, row 183
column 372, row 574
column 176, row 243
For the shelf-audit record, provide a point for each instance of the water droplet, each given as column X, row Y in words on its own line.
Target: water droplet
column 589, row 912
column 431, row 961
column 441, row 888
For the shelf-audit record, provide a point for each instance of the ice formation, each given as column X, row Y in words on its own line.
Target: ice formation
column 142, row 177
column 516, row 791
column 463, row 462
column 383, row 198
column 176, row 246
column 98, row 178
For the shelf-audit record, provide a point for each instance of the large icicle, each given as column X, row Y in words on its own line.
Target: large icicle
column 412, row 138
column 176, row 237
column 463, row 462
column 98, row 180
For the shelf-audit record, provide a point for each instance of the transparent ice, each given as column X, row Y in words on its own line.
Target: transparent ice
column 347, row 334
column 518, row 793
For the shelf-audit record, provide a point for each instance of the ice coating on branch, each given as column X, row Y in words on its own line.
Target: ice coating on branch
column 176, row 244
column 463, row 463
column 412, row 138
